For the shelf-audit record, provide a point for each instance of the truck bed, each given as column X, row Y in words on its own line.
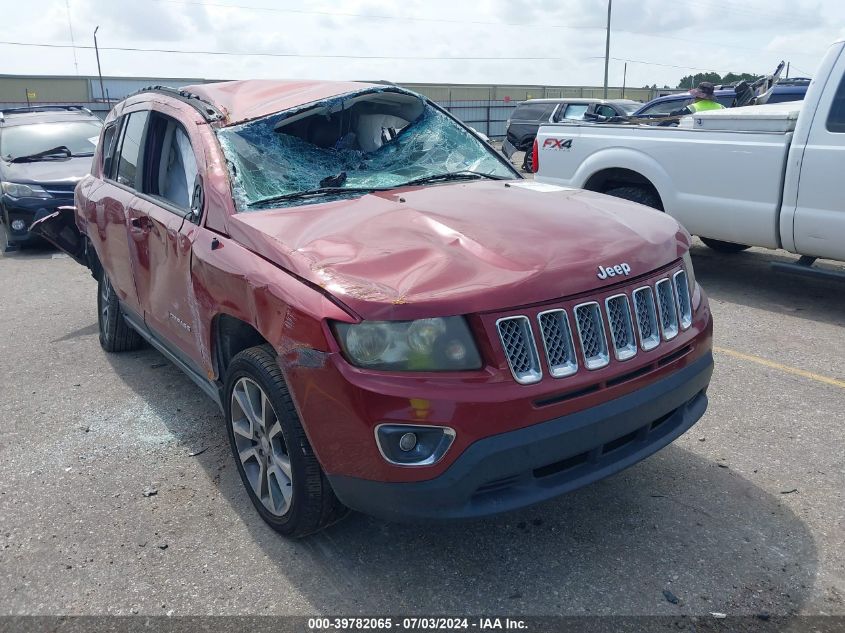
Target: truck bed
column 694, row 171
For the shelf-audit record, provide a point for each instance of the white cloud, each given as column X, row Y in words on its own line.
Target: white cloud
column 711, row 34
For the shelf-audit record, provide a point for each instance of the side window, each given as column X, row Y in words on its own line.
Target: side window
column 605, row 110
column 836, row 116
column 170, row 167
column 530, row 112
column 107, row 148
column 130, row 149
column 575, row 111
column 667, row 107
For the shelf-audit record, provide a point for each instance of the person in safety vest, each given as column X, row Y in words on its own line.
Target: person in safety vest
column 703, row 99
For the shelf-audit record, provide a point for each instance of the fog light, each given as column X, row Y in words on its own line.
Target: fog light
column 18, row 225
column 412, row 445
column 407, row 442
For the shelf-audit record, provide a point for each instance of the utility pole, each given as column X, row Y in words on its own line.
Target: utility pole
column 607, row 48
column 26, row 93
column 624, row 79
column 787, row 70
column 99, row 72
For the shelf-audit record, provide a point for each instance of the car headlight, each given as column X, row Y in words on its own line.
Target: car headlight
column 690, row 273
column 20, row 190
column 440, row 344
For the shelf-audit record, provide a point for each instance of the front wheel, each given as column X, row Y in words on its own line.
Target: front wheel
column 279, row 470
column 528, row 162
column 116, row 335
column 724, row 247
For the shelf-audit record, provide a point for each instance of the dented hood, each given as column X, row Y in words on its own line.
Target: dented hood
column 461, row 248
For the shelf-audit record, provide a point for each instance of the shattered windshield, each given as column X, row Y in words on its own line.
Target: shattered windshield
column 364, row 141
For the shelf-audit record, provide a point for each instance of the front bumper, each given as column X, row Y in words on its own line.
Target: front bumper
column 515, row 469
column 28, row 210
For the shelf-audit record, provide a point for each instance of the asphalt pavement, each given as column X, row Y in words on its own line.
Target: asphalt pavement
column 118, row 494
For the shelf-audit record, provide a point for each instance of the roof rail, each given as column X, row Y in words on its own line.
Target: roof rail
column 208, row 110
column 46, row 108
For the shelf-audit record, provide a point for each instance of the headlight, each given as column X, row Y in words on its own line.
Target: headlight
column 441, row 344
column 18, row 190
column 690, row 273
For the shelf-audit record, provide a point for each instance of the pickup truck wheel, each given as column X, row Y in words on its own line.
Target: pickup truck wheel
column 724, row 247
column 637, row 194
column 116, row 335
column 279, row 470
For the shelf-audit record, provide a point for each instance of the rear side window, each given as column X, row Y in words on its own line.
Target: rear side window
column 109, row 142
column 130, row 148
column 836, row 116
column 533, row 111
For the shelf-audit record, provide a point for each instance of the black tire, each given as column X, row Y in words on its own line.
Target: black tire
column 724, row 247
column 312, row 504
column 116, row 335
column 635, row 193
column 528, row 161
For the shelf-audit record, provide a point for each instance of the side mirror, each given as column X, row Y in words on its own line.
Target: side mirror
column 197, row 199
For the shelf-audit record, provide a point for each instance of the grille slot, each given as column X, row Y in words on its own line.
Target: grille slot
column 666, row 307
column 520, row 349
column 591, row 334
column 646, row 318
column 684, row 301
column 621, row 327
column 557, row 341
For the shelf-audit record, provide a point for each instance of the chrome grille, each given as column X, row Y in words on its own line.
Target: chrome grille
column 520, row 349
column 684, row 302
column 646, row 318
column 557, row 341
column 591, row 334
column 666, row 306
column 621, row 327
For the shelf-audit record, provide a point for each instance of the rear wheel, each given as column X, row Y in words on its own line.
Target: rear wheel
column 279, row 470
column 116, row 335
column 724, row 247
column 634, row 193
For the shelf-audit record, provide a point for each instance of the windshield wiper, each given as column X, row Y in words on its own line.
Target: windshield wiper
column 315, row 193
column 452, row 175
column 31, row 158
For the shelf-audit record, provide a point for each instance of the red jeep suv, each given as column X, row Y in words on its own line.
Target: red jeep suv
column 389, row 317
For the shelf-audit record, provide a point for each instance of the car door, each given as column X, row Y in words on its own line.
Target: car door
column 819, row 221
column 107, row 205
column 162, row 229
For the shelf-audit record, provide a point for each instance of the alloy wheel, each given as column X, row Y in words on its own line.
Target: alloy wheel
column 261, row 446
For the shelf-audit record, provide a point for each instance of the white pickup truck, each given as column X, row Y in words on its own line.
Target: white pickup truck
column 770, row 175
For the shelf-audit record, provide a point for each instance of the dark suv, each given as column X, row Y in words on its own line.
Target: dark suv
column 44, row 152
column 529, row 115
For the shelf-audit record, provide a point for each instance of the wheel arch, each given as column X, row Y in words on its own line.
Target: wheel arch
column 230, row 336
column 614, row 177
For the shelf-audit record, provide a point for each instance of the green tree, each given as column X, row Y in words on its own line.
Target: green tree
column 691, row 81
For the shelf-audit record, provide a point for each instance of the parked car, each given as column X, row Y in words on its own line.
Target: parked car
column 390, row 318
column 44, row 152
column 785, row 90
column 755, row 176
column 523, row 124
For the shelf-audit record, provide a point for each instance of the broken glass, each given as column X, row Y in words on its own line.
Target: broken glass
column 266, row 162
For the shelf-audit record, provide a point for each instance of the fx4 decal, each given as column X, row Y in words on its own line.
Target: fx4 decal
column 557, row 143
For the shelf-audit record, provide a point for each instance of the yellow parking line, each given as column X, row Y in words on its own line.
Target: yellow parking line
column 827, row 380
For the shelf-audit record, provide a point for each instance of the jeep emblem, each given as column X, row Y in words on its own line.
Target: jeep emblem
column 613, row 271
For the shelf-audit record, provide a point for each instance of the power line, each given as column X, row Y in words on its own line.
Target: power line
column 270, row 54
